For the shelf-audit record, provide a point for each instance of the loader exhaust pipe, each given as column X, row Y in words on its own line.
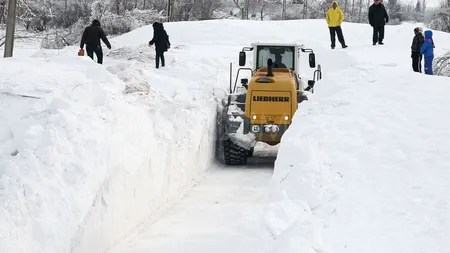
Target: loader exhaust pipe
column 269, row 67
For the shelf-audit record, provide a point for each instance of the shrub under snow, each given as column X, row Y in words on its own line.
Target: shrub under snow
column 442, row 65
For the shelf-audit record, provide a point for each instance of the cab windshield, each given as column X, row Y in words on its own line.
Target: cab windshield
column 282, row 56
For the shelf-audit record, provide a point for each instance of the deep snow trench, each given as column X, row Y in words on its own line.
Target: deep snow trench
column 85, row 167
column 221, row 214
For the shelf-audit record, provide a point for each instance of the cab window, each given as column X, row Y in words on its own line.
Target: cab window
column 282, row 56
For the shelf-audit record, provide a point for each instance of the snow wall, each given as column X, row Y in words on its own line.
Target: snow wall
column 304, row 188
column 81, row 163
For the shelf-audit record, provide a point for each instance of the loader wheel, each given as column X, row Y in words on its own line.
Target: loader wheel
column 250, row 152
column 234, row 154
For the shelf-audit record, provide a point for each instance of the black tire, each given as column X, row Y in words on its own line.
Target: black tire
column 250, row 152
column 234, row 154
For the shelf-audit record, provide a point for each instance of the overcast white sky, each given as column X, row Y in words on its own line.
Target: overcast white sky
column 433, row 3
column 430, row 3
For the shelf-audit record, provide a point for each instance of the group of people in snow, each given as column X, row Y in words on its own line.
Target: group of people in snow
column 422, row 45
column 378, row 18
column 94, row 33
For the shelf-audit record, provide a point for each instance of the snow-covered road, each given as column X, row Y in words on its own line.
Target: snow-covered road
column 223, row 213
column 86, row 167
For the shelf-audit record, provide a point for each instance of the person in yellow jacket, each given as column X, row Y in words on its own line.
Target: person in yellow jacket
column 335, row 17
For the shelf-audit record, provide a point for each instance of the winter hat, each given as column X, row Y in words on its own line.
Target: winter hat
column 418, row 30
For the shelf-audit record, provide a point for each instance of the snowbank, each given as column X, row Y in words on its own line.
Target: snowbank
column 55, row 128
column 359, row 162
column 361, row 149
column 302, row 191
column 82, row 164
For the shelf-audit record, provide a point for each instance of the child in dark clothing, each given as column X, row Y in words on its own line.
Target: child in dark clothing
column 427, row 50
column 161, row 41
column 415, row 50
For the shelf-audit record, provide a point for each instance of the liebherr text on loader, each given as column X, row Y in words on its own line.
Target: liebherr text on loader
column 262, row 107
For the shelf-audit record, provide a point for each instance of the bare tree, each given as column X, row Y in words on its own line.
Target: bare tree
column 262, row 9
column 266, row 4
column 243, row 7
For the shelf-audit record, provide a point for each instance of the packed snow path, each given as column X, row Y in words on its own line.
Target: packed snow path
column 221, row 214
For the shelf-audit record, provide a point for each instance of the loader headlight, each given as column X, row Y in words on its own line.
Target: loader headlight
column 286, row 117
column 255, row 129
column 254, row 116
column 271, row 128
column 275, row 129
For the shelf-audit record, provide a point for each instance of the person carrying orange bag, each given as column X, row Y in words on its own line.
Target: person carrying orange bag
column 91, row 37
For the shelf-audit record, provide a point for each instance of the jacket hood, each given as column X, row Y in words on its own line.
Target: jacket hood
column 96, row 22
column 337, row 4
column 428, row 34
column 158, row 26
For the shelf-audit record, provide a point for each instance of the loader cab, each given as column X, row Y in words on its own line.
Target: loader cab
column 283, row 57
column 286, row 53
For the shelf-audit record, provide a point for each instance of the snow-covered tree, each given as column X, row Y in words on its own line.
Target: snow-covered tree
column 441, row 65
column 394, row 9
column 418, row 12
column 439, row 19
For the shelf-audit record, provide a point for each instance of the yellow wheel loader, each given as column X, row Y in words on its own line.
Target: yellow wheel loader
column 261, row 108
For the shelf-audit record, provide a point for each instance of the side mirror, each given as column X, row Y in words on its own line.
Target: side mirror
column 310, row 85
column 242, row 58
column 312, row 60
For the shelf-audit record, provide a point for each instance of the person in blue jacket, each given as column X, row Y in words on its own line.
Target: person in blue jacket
column 427, row 50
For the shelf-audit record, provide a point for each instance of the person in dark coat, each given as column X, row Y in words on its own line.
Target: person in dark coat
column 378, row 18
column 161, row 41
column 91, row 37
column 415, row 50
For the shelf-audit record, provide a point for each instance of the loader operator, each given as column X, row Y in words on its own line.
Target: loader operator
column 278, row 63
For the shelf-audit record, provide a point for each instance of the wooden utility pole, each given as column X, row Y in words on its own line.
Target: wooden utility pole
column 10, row 28
column 247, row 6
column 283, row 14
column 169, row 10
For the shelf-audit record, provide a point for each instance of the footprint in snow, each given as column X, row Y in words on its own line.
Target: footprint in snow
column 6, row 134
column 178, row 47
column 389, row 64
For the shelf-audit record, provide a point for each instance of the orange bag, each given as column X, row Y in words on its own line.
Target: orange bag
column 81, row 52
